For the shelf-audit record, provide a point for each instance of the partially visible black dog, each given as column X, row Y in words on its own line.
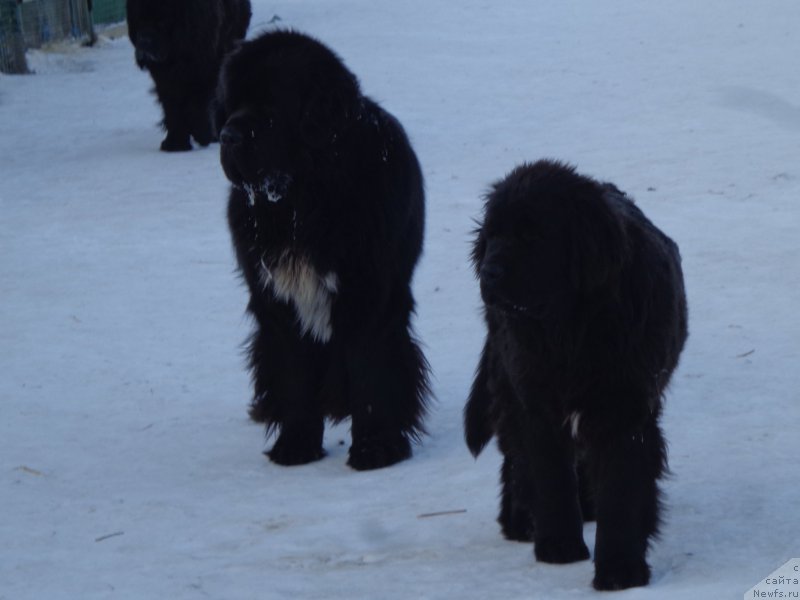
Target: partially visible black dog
column 182, row 43
column 327, row 214
column 587, row 317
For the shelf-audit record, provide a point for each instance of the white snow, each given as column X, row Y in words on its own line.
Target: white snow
column 128, row 466
column 271, row 188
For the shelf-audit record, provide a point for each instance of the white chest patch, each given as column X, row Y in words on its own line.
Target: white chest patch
column 574, row 420
column 293, row 280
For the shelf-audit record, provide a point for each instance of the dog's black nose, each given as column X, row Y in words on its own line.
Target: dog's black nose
column 230, row 136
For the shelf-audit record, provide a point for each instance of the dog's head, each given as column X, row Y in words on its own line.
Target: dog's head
column 548, row 236
column 283, row 99
column 152, row 28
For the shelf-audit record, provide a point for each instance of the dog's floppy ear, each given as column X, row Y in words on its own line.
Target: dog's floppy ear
column 478, row 247
column 598, row 244
column 332, row 103
column 477, row 412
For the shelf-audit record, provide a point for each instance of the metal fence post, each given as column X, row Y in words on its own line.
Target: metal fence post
column 12, row 42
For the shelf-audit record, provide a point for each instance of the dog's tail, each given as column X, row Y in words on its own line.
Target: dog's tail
column 478, row 427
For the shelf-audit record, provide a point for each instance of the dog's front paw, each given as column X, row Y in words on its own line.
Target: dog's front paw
column 560, row 550
column 176, row 144
column 203, row 136
column 375, row 453
column 620, row 576
column 295, row 451
column 516, row 524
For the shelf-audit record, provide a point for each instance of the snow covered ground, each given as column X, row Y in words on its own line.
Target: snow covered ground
column 128, row 467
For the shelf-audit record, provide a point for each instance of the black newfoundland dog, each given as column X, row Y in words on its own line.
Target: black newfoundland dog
column 182, row 44
column 326, row 212
column 586, row 316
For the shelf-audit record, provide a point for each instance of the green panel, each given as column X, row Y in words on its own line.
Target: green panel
column 108, row 11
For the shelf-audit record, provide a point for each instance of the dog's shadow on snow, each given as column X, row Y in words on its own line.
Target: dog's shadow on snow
column 763, row 104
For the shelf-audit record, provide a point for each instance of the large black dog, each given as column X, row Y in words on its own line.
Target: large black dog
column 326, row 211
column 586, row 316
column 182, row 43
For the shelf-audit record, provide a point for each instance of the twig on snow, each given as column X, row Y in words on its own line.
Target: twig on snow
column 442, row 513
column 30, row 471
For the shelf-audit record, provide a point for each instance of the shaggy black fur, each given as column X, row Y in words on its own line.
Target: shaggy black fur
column 182, row 43
column 327, row 216
column 586, row 316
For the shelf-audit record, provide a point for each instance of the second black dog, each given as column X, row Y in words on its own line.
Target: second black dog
column 181, row 44
column 587, row 317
